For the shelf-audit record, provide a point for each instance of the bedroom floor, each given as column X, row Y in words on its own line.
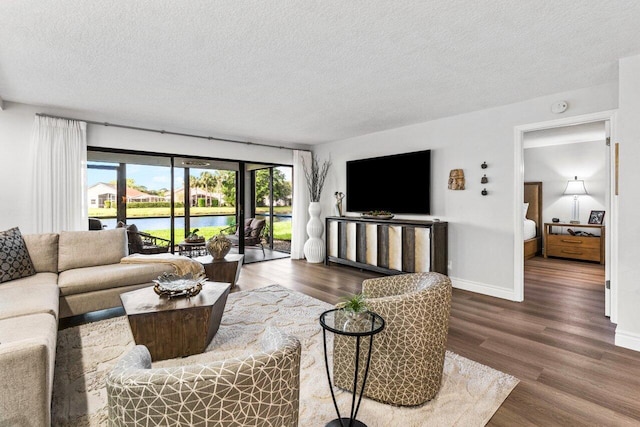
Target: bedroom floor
column 576, row 274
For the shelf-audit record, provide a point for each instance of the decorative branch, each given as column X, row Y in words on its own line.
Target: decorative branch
column 315, row 176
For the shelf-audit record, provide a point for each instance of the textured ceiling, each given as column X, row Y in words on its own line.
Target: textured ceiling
column 304, row 71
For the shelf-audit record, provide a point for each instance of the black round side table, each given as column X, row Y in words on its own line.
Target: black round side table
column 340, row 323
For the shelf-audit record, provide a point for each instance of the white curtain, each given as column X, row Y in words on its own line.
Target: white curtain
column 59, row 194
column 300, row 214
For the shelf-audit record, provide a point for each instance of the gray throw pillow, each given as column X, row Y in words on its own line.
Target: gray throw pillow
column 135, row 240
column 256, row 227
column 15, row 262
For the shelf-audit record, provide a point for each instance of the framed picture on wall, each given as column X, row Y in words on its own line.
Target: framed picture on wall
column 596, row 217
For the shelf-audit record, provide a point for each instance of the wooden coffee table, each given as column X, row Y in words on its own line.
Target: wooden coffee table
column 175, row 327
column 223, row 270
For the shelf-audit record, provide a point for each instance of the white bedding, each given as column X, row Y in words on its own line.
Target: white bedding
column 529, row 229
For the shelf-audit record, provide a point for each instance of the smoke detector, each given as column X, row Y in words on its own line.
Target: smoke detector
column 559, row 107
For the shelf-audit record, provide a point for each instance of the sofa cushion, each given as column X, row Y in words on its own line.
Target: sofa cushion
column 15, row 261
column 37, row 279
column 43, row 250
column 27, row 358
column 90, row 248
column 81, row 280
column 28, row 298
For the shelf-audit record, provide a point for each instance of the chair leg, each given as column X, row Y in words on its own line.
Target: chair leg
column 262, row 246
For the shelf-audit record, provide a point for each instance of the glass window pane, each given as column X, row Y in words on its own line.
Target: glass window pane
column 148, row 199
column 101, row 192
column 282, row 189
column 211, row 200
column 279, row 202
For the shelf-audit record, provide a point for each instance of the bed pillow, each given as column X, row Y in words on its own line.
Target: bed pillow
column 15, row 262
column 526, row 208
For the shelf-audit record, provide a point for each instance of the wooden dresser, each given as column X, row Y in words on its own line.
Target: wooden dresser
column 558, row 242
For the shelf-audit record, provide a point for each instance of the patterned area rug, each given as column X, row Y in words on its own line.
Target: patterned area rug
column 470, row 393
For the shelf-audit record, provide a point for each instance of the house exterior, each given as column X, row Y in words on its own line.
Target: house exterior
column 198, row 193
column 98, row 193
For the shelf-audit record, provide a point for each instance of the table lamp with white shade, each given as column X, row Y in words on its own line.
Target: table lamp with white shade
column 575, row 188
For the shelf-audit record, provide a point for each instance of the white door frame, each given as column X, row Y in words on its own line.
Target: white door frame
column 611, row 257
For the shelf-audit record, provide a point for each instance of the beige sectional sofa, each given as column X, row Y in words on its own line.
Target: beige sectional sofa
column 76, row 272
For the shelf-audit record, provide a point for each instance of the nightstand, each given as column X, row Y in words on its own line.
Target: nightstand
column 559, row 243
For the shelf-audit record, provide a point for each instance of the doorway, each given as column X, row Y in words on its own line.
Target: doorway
column 569, row 130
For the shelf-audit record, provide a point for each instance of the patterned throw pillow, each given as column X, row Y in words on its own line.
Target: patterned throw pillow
column 15, row 262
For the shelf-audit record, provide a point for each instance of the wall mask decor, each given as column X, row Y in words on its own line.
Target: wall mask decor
column 456, row 179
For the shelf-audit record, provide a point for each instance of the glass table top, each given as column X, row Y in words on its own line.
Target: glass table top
column 343, row 322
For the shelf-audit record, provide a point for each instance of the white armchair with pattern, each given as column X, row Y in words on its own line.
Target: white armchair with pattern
column 258, row 390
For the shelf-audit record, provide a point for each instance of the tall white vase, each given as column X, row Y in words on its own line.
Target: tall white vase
column 314, row 246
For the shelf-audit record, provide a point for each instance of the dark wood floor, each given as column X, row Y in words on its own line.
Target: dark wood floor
column 557, row 342
column 255, row 254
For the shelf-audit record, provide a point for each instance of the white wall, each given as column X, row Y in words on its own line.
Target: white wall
column 628, row 330
column 555, row 165
column 481, row 228
column 16, row 121
column 15, row 175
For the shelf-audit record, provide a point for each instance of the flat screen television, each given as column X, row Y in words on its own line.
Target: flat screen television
column 399, row 183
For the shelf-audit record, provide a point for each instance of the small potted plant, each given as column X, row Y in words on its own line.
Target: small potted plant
column 193, row 237
column 353, row 308
column 353, row 304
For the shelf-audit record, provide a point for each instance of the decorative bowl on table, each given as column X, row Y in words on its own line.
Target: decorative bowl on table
column 173, row 285
column 196, row 239
column 377, row 215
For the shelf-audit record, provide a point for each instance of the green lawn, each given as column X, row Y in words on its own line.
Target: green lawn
column 160, row 212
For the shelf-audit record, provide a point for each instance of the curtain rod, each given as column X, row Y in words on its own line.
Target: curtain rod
column 167, row 132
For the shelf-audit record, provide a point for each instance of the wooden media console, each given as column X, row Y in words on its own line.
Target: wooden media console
column 387, row 246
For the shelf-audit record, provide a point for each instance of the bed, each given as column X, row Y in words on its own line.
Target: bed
column 532, row 210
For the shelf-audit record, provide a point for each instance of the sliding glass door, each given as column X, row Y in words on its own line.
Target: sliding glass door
column 272, row 200
column 171, row 196
column 130, row 188
column 204, row 205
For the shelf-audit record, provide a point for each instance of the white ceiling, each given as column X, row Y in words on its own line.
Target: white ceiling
column 304, row 71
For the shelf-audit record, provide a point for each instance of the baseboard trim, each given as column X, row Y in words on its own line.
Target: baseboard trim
column 483, row 288
column 627, row 339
